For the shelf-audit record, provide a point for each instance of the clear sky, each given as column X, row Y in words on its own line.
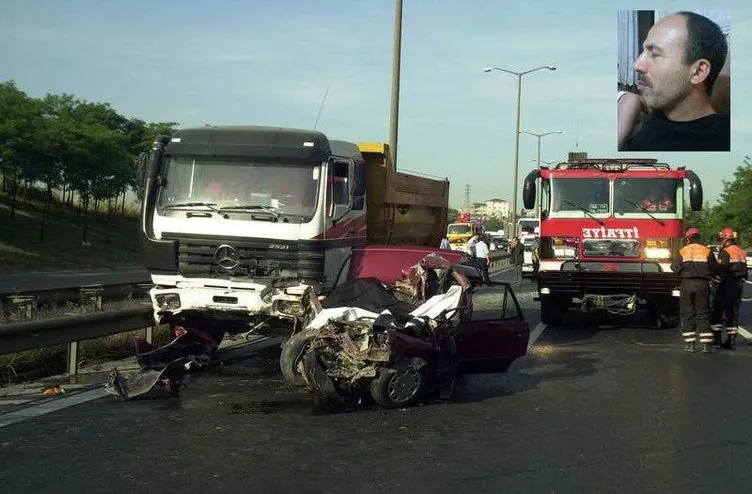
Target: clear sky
column 270, row 63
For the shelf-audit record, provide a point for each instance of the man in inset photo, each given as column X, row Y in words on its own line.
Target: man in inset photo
column 674, row 107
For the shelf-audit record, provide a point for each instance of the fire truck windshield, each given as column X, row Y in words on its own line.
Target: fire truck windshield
column 648, row 197
column 286, row 189
column 579, row 198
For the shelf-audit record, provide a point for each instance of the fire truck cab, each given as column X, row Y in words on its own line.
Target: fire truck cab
column 609, row 229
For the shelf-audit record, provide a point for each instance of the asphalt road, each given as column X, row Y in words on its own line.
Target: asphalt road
column 56, row 280
column 610, row 408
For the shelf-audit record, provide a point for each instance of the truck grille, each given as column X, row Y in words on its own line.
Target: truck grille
column 255, row 259
column 610, row 278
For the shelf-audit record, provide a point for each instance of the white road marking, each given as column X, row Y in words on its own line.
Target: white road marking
column 536, row 334
column 15, row 401
column 744, row 333
column 53, row 405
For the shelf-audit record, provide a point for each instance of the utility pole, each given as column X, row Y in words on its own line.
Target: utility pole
column 397, row 50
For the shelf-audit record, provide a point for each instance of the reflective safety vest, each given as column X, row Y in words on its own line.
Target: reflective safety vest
column 733, row 261
column 695, row 261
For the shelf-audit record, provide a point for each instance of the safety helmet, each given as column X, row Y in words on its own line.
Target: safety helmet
column 728, row 233
column 692, row 232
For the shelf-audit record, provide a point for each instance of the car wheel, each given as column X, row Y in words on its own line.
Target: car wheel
column 290, row 358
column 397, row 388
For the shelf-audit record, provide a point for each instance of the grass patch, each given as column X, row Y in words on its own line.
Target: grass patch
column 113, row 239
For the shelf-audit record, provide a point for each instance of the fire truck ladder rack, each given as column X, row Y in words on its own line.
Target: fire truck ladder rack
column 612, row 164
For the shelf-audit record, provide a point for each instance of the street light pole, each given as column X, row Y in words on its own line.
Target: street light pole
column 537, row 191
column 516, row 157
column 397, row 50
column 517, row 135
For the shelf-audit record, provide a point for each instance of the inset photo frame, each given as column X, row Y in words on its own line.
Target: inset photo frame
column 674, row 81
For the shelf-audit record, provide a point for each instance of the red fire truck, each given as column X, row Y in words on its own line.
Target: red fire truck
column 609, row 229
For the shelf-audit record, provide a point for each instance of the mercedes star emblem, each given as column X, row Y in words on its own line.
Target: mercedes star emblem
column 226, row 257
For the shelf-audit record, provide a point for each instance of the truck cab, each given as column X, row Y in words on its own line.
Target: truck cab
column 243, row 223
column 609, row 229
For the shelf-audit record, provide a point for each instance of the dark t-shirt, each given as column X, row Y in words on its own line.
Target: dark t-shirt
column 658, row 133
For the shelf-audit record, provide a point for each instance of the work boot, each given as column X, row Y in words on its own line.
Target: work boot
column 707, row 342
column 690, row 337
column 717, row 334
column 730, row 343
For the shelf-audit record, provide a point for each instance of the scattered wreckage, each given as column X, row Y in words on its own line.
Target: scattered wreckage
column 166, row 367
column 369, row 340
column 394, row 343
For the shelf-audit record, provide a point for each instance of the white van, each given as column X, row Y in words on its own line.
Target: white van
column 527, row 244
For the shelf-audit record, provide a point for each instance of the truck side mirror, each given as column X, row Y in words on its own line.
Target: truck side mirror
column 528, row 189
column 359, row 179
column 695, row 191
column 141, row 167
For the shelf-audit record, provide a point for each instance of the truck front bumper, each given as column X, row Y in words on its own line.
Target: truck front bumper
column 285, row 303
column 589, row 277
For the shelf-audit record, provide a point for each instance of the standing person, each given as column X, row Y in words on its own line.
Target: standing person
column 471, row 245
column 732, row 267
column 681, row 58
column 517, row 258
column 481, row 255
column 444, row 244
column 535, row 256
column 695, row 266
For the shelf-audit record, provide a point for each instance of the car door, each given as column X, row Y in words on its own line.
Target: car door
column 497, row 333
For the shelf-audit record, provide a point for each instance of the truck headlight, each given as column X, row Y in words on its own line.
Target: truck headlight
column 168, row 301
column 657, row 248
column 564, row 246
column 289, row 307
column 657, row 253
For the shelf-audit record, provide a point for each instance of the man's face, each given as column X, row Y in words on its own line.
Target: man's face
column 664, row 78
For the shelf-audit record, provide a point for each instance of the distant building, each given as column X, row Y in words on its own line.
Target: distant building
column 497, row 208
column 492, row 208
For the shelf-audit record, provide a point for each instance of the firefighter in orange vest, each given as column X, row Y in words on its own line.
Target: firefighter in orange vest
column 732, row 267
column 695, row 265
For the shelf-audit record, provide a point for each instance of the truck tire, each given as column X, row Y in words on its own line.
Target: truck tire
column 292, row 350
column 551, row 310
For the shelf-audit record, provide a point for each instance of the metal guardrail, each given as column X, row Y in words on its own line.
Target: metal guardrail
column 499, row 260
column 27, row 335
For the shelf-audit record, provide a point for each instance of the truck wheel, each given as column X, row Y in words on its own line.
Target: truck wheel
column 289, row 360
column 397, row 388
column 551, row 310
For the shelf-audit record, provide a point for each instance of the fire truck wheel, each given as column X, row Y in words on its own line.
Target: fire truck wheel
column 551, row 310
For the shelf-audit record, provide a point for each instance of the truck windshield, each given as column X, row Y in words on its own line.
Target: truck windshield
column 458, row 229
column 641, row 197
column 579, row 197
column 241, row 185
column 528, row 226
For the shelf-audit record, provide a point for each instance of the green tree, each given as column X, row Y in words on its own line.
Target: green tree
column 21, row 118
column 735, row 204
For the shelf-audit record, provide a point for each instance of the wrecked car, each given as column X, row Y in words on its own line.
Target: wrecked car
column 374, row 341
